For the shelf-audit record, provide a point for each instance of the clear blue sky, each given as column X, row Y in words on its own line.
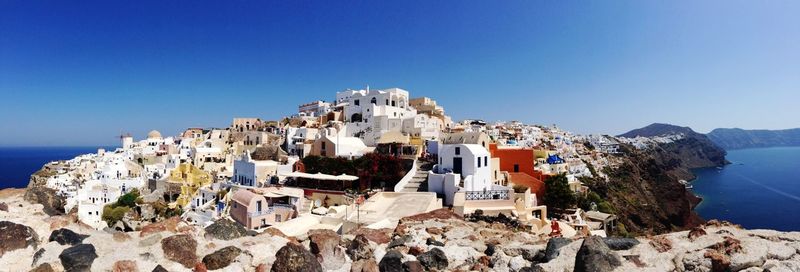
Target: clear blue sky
column 79, row 73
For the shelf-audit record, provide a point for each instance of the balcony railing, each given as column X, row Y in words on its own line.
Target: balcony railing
column 272, row 209
column 488, row 195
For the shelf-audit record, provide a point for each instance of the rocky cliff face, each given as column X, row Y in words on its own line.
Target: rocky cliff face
column 735, row 138
column 645, row 189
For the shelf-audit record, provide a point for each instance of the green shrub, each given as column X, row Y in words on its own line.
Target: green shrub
column 113, row 214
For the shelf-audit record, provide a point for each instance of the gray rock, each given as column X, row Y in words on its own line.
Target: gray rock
column 150, row 240
column 66, row 237
column 225, row 229
column 433, row 259
column 554, row 248
column 619, row 243
column 221, row 258
column 160, row 268
column 15, row 236
column 293, row 257
column 595, row 256
column 392, row 261
column 399, row 241
column 36, row 256
column 359, row 248
column 433, row 242
column 78, row 258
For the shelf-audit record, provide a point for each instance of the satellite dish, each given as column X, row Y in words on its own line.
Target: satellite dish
column 317, row 203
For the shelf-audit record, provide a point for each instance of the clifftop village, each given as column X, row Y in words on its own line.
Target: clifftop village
column 367, row 159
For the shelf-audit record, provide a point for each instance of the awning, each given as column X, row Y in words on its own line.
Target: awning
column 321, row 176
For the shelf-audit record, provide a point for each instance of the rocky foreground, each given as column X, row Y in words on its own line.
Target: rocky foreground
column 30, row 240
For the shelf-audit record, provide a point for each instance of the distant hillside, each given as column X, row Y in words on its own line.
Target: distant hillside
column 696, row 150
column 736, row 138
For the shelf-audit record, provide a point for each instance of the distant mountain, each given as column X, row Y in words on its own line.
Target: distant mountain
column 658, row 129
column 736, row 138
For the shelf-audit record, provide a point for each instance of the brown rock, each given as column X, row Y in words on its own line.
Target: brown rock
column 121, row 237
column 3, row 206
column 719, row 262
column 434, row 231
column 696, row 232
column 661, row 243
column 367, row 265
column 170, row 224
column 443, row 213
column 125, row 266
column 379, row 236
column 359, row 248
column 181, row 249
column 413, row 266
column 485, row 260
column 262, row 268
column 45, row 267
column 325, row 245
column 415, row 250
column 15, row 236
column 728, row 246
column 200, row 267
column 279, row 233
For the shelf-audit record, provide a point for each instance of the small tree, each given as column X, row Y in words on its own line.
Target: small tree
column 558, row 195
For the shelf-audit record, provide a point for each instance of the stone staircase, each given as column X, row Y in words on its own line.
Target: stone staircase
column 419, row 183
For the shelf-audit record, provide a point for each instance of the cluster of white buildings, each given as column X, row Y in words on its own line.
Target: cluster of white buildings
column 240, row 171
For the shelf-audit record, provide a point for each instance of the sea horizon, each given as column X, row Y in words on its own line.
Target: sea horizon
column 17, row 163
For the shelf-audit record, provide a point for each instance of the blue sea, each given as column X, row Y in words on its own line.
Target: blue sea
column 18, row 163
column 759, row 190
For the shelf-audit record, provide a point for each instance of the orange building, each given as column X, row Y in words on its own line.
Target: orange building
column 519, row 162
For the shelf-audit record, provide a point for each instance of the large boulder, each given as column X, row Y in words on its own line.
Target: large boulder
column 619, row 243
column 392, row 261
column 595, row 256
column 433, row 259
column 293, row 257
column 49, row 198
column 14, row 236
column 181, row 249
column 325, row 245
column 3, row 206
column 66, row 237
column 359, row 248
column 78, row 257
column 225, row 229
column 553, row 248
column 221, row 258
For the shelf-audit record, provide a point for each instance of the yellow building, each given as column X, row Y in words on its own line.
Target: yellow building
column 190, row 179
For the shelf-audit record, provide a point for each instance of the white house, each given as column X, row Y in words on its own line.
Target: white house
column 461, row 167
column 370, row 113
column 314, row 109
column 250, row 172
